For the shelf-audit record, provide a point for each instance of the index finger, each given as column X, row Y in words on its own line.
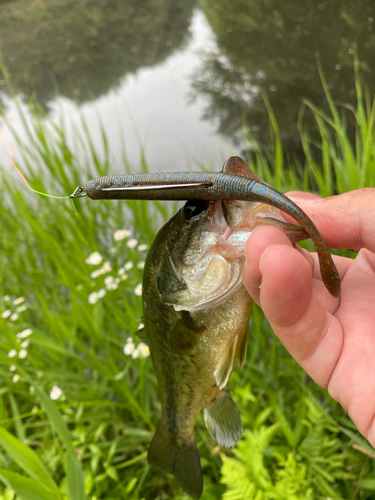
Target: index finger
column 345, row 220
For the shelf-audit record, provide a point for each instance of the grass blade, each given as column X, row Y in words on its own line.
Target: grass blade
column 25, row 457
column 25, row 488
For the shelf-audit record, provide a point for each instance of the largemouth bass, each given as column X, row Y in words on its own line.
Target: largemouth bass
column 196, row 316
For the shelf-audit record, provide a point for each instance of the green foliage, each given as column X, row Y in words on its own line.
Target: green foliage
column 89, row 439
column 313, row 467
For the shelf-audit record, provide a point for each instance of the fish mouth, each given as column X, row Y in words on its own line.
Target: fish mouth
column 236, row 220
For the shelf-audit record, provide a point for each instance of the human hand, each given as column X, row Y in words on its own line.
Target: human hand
column 332, row 339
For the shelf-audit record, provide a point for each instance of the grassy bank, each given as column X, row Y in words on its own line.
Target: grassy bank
column 77, row 413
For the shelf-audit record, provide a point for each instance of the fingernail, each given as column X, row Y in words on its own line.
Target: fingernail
column 309, row 198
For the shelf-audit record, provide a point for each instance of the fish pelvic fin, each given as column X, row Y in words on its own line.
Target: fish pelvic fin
column 179, row 459
column 142, row 334
column 223, row 420
column 225, row 367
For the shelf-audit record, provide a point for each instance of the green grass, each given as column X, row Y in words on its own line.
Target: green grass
column 91, row 443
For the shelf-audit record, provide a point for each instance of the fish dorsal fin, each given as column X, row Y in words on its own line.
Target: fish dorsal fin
column 223, row 420
column 225, row 366
column 142, row 334
column 185, row 334
column 237, row 166
column 241, row 347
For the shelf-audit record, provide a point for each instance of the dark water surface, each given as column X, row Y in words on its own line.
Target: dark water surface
column 187, row 73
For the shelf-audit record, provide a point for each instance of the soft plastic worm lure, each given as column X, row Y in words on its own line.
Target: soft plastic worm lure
column 210, row 186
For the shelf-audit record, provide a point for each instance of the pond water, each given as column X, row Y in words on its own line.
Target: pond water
column 183, row 76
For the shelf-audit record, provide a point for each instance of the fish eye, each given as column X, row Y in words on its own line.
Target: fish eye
column 193, row 209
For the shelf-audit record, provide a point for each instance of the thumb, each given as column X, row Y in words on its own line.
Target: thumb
column 345, row 220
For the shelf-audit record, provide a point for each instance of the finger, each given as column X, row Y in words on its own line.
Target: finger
column 353, row 380
column 345, row 220
column 264, row 236
column 259, row 240
column 310, row 333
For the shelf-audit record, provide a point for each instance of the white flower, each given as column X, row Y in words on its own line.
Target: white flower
column 121, row 271
column 144, row 349
column 6, row 313
column 12, row 368
column 112, row 286
column 142, row 247
column 141, row 265
column 94, row 259
column 113, row 250
column 22, row 354
column 106, row 268
column 25, row 344
column 6, row 298
column 12, row 353
column 138, row 290
column 124, row 277
column 132, row 243
column 117, row 280
column 108, row 280
column 96, row 273
column 141, row 325
column 129, row 339
column 101, row 293
column 32, row 389
column 21, row 309
column 121, row 234
column 24, row 334
column 93, row 298
column 16, row 378
column 128, row 266
column 129, row 348
column 14, row 317
column 135, row 354
column 18, row 301
column 55, row 393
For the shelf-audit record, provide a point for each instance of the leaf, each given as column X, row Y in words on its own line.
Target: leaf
column 368, row 484
column 55, row 419
column 25, row 488
column 25, row 457
column 76, row 483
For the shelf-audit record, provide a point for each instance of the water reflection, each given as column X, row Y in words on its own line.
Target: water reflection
column 271, row 46
column 82, row 48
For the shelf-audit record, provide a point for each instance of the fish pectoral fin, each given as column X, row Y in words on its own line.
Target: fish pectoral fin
column 142, row 334
column 181, row 460
column 185, row 334
column 225, row 366
column 241, row 347
column 223, row 420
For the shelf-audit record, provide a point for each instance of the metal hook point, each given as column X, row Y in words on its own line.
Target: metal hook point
column 79, row 192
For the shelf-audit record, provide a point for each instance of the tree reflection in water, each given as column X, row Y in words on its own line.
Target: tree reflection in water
column 271, row 46
column 83, row 48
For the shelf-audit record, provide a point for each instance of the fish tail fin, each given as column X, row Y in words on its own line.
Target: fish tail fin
column 179, row 459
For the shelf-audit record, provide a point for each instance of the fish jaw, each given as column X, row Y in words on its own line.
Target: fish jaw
column 236, row 220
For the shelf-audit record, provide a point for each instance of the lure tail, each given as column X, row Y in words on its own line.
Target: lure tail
column 179, row 458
